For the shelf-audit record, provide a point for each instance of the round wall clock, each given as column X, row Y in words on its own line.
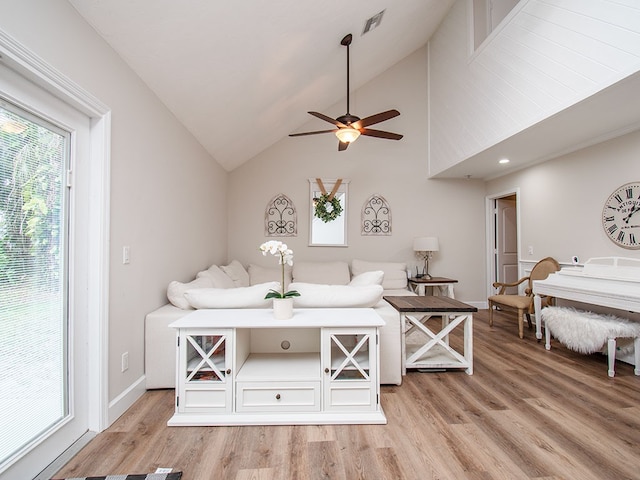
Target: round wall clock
column 621, row 216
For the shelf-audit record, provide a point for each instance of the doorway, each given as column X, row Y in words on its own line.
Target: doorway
column 503, row 227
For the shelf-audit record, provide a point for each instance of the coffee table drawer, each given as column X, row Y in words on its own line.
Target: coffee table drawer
column 268, row 396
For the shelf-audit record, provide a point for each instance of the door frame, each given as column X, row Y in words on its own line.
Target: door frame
column 28, row 64
column 490, row 230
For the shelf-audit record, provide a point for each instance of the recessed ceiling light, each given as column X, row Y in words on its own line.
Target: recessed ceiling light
column 504, row 160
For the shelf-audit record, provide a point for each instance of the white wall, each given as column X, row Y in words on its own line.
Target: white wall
column 168, row 196
column 453, row 210
column 561, row 200
column 546, row 56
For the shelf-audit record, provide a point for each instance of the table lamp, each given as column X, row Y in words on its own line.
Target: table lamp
column 424, row 248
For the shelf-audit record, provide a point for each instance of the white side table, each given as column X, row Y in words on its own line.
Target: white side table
column 434, row 351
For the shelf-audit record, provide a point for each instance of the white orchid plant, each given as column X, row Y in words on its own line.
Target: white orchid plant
column 285, row 255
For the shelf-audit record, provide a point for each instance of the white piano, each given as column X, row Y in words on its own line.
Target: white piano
column 612, row 282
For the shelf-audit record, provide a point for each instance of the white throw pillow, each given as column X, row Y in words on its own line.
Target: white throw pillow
column 218, row 277
column 239, row 297
column 258, row 274
column 326, row 273
column 395, row 273
column 367, row 278
column 176, row 291
column 237, row 273
column 335, row 296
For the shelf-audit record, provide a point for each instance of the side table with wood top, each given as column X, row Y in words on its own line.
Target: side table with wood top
column 440, row 285
column 433, row 350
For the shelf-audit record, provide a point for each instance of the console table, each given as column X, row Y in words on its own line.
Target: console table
column 434, row 352
column 243, row 367
column 444, row 285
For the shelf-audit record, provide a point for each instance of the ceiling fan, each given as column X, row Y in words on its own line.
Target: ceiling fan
column 350, row 127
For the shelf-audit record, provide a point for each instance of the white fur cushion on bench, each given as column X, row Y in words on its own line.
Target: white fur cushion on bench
column 239, row 297
column 586, row 332
column 313, row 295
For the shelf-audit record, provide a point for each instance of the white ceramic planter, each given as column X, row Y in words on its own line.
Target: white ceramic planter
column 282, row 308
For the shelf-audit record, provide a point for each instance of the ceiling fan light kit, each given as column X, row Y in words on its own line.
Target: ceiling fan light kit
column 347, row 135
column 350, row 127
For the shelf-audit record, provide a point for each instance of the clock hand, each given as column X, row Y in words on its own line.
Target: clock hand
column 633, row 210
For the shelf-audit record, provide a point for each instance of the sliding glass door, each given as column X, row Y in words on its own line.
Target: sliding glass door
column 44, row 282
column 34, row 381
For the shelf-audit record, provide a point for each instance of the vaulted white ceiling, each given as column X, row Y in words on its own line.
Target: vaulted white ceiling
column 241, row 75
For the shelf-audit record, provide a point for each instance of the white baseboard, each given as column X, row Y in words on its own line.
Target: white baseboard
column 126, row 399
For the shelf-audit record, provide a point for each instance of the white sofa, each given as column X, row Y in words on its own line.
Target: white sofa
column 227, row 285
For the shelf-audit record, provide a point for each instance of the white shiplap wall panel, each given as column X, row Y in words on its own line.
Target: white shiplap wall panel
column 550, row 55
column 563, row 46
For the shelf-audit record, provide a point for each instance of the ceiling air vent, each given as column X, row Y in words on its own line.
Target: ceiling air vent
column 373, row 22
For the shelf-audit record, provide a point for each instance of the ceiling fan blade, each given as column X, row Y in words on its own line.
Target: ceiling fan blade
column 321, row 116
column 377, row 118
column 342, row 146
column 380, row 134
column 313, row 133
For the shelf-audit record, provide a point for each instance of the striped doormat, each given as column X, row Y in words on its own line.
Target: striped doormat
column 143, row 476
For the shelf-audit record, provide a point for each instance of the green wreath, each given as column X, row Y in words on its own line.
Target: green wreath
column 321, row 208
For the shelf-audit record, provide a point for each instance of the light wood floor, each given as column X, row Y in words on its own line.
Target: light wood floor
column 525, row 413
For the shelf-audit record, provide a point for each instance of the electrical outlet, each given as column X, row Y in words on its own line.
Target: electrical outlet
column 126, row 251
column 125, row 361
column 530, row 250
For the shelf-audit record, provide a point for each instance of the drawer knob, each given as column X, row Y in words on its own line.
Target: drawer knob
column 277, row 396
column 326, row 370
column 228, row 371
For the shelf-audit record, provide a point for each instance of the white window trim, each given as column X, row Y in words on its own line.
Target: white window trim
column 28, row 64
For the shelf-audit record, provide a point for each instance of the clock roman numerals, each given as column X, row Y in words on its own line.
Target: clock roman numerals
column 629, row 192
column 621, row 216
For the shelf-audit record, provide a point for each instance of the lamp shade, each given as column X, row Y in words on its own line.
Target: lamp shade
column 426, row 244
column 347, row 135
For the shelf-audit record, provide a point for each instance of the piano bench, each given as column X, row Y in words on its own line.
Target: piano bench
column 587, row 332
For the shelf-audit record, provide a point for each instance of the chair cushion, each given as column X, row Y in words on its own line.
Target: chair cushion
column 329, row 273
column 238, row 274
column 395, row 273
column 335, row 296
column 521, row 302
column 367, row 278
column 239, row 297
column 258, row 274
column 219, row 278
column 176, row 290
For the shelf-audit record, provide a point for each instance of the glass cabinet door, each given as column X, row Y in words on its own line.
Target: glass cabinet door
column 205, row 381
column 206, row 358
column 350, row 367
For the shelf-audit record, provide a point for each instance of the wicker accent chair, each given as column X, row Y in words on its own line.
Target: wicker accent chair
column 523, row 304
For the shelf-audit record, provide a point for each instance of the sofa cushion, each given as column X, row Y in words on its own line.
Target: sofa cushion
column 239, row 297
column 313, row 295
column 218, row 277
column 329, row 273
column 176, row 290
column 367, row 278
column 395, row 273
column 258, row 274
column 237, row 273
